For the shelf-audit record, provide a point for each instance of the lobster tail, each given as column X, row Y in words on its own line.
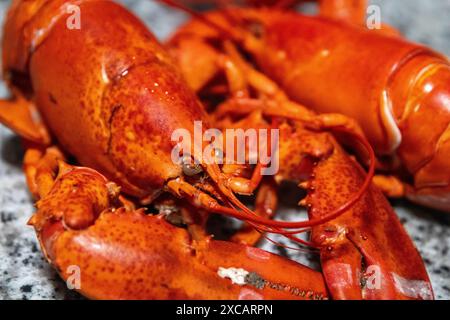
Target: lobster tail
column 421, row 104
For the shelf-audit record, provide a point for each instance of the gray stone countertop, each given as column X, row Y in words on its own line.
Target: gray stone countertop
column 25, row 275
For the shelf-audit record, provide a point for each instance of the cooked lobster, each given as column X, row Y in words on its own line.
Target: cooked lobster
column 108, row 97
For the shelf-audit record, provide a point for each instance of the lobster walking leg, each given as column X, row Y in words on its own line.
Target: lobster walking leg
column 20, row 115
column 40, row 165
column 265, row 205
column 390, row 186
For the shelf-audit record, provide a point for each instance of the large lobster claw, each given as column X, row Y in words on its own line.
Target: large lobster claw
column 126, row 254
column 365, row 253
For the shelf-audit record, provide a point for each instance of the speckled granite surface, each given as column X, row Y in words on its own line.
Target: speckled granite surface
column 25, row 275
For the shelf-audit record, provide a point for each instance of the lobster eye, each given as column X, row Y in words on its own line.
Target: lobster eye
column 190, row 168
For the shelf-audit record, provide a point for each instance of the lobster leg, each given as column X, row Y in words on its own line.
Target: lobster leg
column 39, row 166
column 391, row 186
column 237, row 81
column 277, row 104
column 20, row 115
column 202, row 200
column 124, row 254
column 265, row 205
column 290, row 110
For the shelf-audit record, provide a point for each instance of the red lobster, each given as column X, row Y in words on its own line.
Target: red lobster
column 110, row 96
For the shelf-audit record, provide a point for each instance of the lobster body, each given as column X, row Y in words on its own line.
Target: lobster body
column 396, row 90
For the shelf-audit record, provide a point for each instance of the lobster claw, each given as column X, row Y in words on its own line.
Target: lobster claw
column 365, row 253
column 123, row 254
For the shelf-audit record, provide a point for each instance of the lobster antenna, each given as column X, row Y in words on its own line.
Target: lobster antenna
column 305, row 243
column 287, row 234
column 248, row 215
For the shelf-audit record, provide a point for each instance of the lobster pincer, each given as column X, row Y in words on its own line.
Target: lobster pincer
column 129, row 254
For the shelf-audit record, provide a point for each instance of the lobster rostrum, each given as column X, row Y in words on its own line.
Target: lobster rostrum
column 110, row 96
column 397, row 91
